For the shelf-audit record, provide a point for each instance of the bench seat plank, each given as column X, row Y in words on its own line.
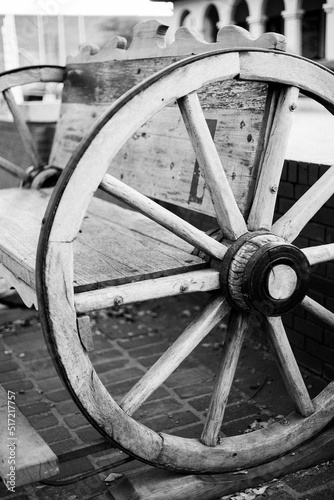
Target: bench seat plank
column 115, row 245
column 34, row 460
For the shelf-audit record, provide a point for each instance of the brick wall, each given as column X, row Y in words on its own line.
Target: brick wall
column 312, row 342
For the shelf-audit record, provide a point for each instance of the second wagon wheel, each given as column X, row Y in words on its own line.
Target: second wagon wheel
column 254, row 270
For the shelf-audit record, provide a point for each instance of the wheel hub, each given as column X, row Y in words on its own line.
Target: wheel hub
column 262, row 273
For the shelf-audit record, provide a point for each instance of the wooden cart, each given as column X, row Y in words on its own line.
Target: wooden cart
column 195, row 126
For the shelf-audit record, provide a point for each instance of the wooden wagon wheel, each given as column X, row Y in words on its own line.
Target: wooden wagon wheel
column 261, row 271
column 36, row 174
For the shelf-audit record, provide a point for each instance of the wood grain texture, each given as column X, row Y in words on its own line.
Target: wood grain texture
column 95, row 159
column 33, row 459
column 168, row 157
column 282, row 282
column 79, row 376
column 33, row 74
column 214, row 311
column 115, row 246
column 193, row 281
column 282, row 105
column 85, row 332
column 228, row 214
column 237, row 327
column 161, row 148
column 163, row 217
column 155, row 484
column 320, row 253
column 26, row 293
column 248, row 450
column 149, row 41
column 292, row 70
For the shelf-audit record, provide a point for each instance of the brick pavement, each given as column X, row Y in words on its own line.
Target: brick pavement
column 126, row 342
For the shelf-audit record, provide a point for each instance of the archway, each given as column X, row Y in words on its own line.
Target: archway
column 313, row 29
column 273, row 13
column 240, row 14
column 210, row 21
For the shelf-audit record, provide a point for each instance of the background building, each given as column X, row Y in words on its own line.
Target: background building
column 307, row 24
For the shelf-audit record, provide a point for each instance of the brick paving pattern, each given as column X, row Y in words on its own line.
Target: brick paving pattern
column 126, row 342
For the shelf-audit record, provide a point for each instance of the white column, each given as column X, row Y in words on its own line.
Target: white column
column 256, row 25
column 10, row 45
column 329, row 41
column 41, row 40
column 11, row 50
column 82, row 30
column 293, row 30
column 61, row 41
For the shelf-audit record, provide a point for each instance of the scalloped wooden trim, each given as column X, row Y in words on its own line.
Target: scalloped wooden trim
column 149, row 40
column 27, row 294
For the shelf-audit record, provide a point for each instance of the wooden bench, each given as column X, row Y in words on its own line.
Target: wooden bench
column 190, row 128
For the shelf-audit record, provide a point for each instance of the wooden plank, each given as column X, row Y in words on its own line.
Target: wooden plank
column 24, row 456
column 149, row 41
column 155, row 484
column 96, row 84
column 33, row 74
column 293, row 221
column 13, row 282
column 214, row 311
column 288, row 69
column 288, row 366
column 168, row 159
column 160, row 91
column 237, row 327
column 228, row 214
column 114, row 246
column 193, row 281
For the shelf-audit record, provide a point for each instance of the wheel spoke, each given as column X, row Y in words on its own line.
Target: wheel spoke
column 318, row 310
column 204, row 280
column 162, row 216
column 229, row 217
column 288, row 366
column 207, row 319
column 12, row 169
column 238, row 324
column 295, row 219
column 318, row 254
column 23, row 130
column 275, row 139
